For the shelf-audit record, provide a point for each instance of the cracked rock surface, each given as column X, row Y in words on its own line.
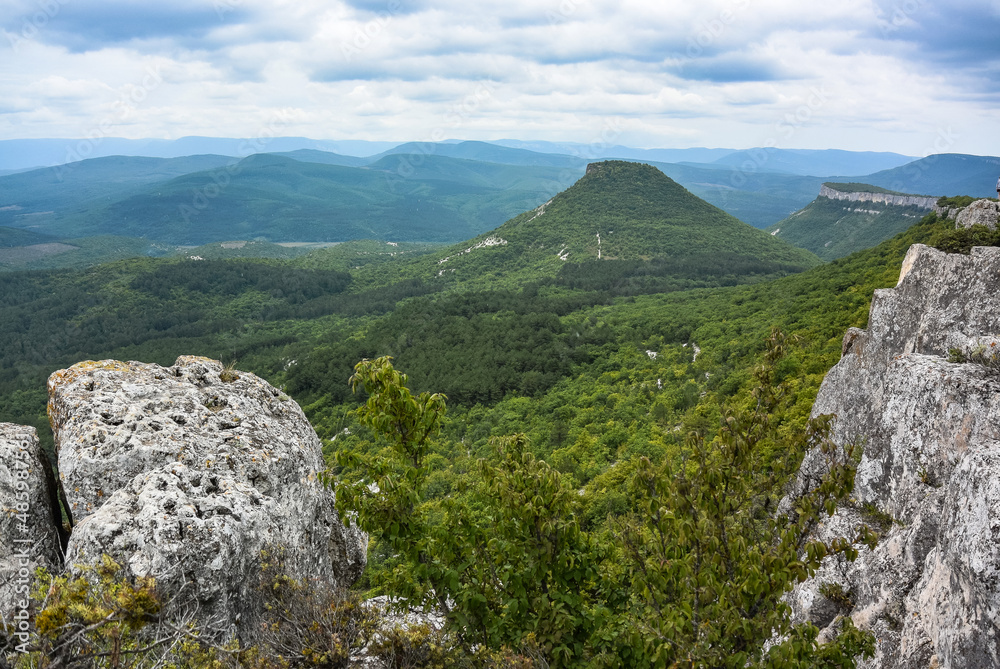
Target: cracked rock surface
column 28, row 533
column 186, row 473
column 929, row 477
column 980, row 212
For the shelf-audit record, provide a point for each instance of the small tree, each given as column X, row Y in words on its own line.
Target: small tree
column 507, row 563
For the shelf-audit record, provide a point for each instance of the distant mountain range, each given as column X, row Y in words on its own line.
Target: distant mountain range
column 33, row 153
column 201, row 199
column 427, row 192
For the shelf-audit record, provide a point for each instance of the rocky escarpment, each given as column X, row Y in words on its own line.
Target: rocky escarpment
column 929, row 478
column 30, row 522
column 186, row 473
column 886, row 198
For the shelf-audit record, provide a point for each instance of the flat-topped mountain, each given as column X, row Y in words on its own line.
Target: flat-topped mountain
column 623, row 212
column 848, row 217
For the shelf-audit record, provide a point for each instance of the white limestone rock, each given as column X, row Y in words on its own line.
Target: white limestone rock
column 980, row 212
column 930, row 431
column 186, row 473
column 29, row 537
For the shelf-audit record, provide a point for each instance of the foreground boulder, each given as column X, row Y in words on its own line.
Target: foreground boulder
column 920, row 392
column 187, row 473
column 29, row 516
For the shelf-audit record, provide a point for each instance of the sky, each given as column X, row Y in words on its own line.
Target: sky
column 911, row 76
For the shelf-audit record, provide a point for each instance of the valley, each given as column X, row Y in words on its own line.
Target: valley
column 588, row 328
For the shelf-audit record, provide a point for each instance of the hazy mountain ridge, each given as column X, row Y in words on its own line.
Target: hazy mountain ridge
column 944, row 173
column 274, row 197
column 433, row 192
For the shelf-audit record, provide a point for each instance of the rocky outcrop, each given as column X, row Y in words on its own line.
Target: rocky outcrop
column 186, row 473
column 929, row 477
column 980, row 212
column 885, row 198
column 29, row 533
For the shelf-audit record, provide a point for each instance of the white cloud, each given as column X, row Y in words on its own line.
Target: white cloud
column 891, row 75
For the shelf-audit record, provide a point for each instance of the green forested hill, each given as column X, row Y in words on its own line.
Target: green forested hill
column 18, row 237
column 835, row 228
column 621, row 224
column 36, row 198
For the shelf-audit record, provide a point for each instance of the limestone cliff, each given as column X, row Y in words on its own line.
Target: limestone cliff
column 929, row 478
column 886, row 198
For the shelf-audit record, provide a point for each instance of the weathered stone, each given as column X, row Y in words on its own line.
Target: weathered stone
column 929, row 477
column 921, row 201
column 29, row 536
column 187, row 473
column 980, row 212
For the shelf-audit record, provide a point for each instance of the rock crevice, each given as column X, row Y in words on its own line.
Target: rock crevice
column 186, row 474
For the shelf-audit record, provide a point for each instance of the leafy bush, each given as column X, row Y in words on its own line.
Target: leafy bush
column 836, row 593
column 962, row 240
column 956, row 201
column 104, row 618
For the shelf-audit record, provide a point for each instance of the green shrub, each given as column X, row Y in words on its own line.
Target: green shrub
column 963, row 239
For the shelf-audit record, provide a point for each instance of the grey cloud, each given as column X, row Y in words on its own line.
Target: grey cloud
column 84, row 25
column 961, row 34
column 730, row 68
column 411, row 70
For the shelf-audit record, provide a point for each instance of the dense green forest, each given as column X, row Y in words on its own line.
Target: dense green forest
column 608, row 364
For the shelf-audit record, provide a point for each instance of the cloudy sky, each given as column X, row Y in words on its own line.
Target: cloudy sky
column 911, row 76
